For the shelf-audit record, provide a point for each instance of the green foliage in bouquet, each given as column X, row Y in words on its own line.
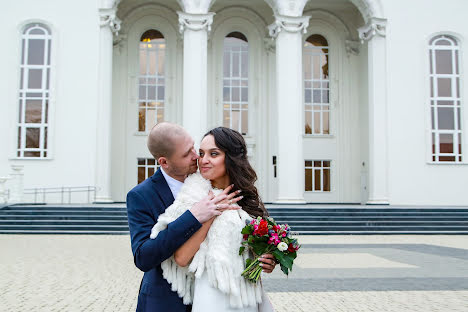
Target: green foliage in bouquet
column 262, row 236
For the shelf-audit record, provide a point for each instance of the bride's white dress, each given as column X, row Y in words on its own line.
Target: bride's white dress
column 217, row 262
column 209, row 299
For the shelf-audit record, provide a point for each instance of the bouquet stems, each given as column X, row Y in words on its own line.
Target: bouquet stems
column 253, row 271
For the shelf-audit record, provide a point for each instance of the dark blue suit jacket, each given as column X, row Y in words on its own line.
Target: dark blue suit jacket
column 145, row 202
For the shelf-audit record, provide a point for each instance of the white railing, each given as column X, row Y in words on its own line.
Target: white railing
column 62, row 194
column 4, row 197
column 4, row 193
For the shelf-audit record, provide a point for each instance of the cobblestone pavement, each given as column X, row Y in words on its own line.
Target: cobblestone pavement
column 332, row 273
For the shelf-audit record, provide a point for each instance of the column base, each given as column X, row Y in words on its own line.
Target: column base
column 290, row 201
column 11, row 201
column 378, row 202
column 103, row 200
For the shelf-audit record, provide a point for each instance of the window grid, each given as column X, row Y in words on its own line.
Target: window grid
column 34, row 92
column 151, row 83
column 317, row 176
column 316, row 89
column 445, row 100
column 146, row 167
column 235, row 84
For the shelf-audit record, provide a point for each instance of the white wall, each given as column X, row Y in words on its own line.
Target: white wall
column 412, row 179
column 75, row 27
column 75, row 30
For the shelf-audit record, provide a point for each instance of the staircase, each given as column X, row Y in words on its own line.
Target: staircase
column 303, row 219
column 64, row 219
column 356, row 219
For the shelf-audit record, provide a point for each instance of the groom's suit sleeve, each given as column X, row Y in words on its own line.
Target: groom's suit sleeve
column 148, row 253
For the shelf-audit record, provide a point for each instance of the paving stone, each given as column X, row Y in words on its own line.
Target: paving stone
column 96, row 273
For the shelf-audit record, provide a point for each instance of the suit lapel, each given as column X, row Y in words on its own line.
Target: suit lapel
column 162, row 188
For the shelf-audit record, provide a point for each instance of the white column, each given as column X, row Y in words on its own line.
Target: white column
column 290, row 161
column 195, row 29
column 374, row 34
column 17, row 190
column 109, row 24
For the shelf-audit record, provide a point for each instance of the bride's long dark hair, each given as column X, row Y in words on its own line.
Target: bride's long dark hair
column 238, row 169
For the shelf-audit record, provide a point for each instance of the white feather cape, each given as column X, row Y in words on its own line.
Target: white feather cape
column 218, row 254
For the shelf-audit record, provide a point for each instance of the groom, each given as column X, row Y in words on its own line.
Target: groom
column 174, row 150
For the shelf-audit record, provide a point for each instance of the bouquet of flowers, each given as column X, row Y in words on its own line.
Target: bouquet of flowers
column 264, row 235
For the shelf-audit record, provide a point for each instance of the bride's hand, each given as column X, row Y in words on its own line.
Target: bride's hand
column 267, row 262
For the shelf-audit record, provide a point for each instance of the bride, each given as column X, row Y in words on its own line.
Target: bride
column 206, row 270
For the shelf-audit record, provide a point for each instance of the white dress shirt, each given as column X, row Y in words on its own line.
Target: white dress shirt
column 174, row 184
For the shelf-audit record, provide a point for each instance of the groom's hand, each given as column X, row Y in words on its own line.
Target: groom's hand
column 267, row 262
column 212, row 206
column 231, row 198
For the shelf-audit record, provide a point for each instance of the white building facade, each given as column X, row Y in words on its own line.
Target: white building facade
column 339, row 101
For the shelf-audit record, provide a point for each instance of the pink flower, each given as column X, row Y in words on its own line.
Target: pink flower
column 274, row 239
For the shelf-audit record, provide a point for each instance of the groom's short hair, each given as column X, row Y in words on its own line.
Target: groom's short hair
column 161, row 139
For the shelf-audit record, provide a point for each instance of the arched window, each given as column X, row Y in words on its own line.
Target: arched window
column 151, row 80
column 236, row 82
column 34, row 91
column 445, row 99
column 316, row 86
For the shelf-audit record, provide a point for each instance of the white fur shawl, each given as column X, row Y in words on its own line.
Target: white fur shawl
column 218, row 254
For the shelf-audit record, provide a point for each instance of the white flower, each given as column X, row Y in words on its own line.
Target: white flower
column 282, row 246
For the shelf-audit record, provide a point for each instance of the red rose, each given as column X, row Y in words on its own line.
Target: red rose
column 246, row 236
column 291, row 248
column 262, row 228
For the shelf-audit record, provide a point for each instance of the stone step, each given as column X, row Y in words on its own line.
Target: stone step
column 87, row 227
column 64, row 217
column 65, row 207
column 278, row 219
column 307, row 219
column 74, row 232
column 352, row 228
column 367, row 232
column 367, row 218
column 62, row 212
column 307, row 209
column 63, row 222
column 374, row 223
column 369, row 212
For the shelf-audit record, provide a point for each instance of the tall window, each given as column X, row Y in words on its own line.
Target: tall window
column 316, row 86
column 236, row 82
column 151, row 82
column 317, row 175
column 146, row 167
column 445, row 99
column 33, row 119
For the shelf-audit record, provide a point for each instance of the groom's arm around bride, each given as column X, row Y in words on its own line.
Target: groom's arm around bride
column 173, row 147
